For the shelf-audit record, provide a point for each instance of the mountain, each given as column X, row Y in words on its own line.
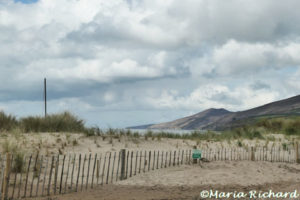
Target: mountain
column 197, row 121
column 221, row 119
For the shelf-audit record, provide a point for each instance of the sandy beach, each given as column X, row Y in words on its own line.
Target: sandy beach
column 187, row 181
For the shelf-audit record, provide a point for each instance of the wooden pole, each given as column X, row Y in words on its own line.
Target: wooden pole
column 6, row 176
column 178, row 157
column 117, row 176
column 153, row 160
column 174, row 159
column 82, row 174
column 2, row 175
column 108, row 167
column 162, row 159
column 149, row 160
column 126, row 175
column 67, row 176
column 50, row 176
column 103, row 169
column 26, row 181
column 45, row 96
column 136, row 157
column 98, row 168
column 170, row 160
column 56, row 173
column 113, row 166
column 79, row 164
column 72, row 173
column 62, row 174
column 157, row 160
column 182, row 154
column 39, row 175
column 166, row 159
column 130, row 174
column 88, row 173
column 297, row 158
column 123, row 154
column 45, row 173
column 34, row 169
column 141, row 153
column 252, row 154
column 145, row 161
column 15, row 182
column 95, row 161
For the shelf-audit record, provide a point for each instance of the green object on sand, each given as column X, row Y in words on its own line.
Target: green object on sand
column 196, row 154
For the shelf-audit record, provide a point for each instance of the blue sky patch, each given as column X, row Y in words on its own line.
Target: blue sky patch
column 26, row 1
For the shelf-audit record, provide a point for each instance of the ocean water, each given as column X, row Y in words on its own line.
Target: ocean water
column 175, row 131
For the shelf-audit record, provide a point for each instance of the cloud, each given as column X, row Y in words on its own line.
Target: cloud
column 144, row 60
column 215, row 96
column 237, row 58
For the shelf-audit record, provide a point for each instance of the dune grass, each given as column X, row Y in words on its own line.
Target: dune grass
column 7, row 122
column 67, row 122
column 61, row 122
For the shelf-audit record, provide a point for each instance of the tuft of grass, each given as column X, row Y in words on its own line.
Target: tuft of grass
column 74, row 142
column 62, row 122
column 110, row 140
column 284, row 146
column 239, row 143
column 18, row 162
column 136, row 135
column 7, row 122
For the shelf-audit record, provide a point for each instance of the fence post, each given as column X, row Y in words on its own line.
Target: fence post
column 174, row 158
column 113, row 166
column 117, row 175
column 297, row 158
column 108, row 168
column 252, row 154
column 6, row 177
column 123, row 153
column 131, row 157
column 27, row 174
column 136, row 158
column 149, row 161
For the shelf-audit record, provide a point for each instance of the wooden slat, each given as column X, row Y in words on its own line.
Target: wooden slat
column 93, row 175
column 72, row 173
column 34, row 169
column 118, row 166
column 78, row 173
column 108, row 168
column 88, row 173
column 82, row 174
column 56, row 173
column 62, row 174
column 39, row 176
column 27, row 174
column 136, row 160
column 113, row 166
column 67, row 176
column 50, row 175
column 45, row 174
column 130, row 174
column 103, row 169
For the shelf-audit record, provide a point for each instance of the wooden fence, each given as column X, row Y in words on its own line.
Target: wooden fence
column 38, row 175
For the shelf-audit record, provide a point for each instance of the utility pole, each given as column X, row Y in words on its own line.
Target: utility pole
column 45, row 95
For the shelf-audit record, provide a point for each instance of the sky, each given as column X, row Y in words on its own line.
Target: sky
column 130, row 62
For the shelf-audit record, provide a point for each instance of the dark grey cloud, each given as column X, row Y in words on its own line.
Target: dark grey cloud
column 260, row 85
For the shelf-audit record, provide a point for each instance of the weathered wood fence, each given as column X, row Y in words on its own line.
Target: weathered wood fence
column 39, row 175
